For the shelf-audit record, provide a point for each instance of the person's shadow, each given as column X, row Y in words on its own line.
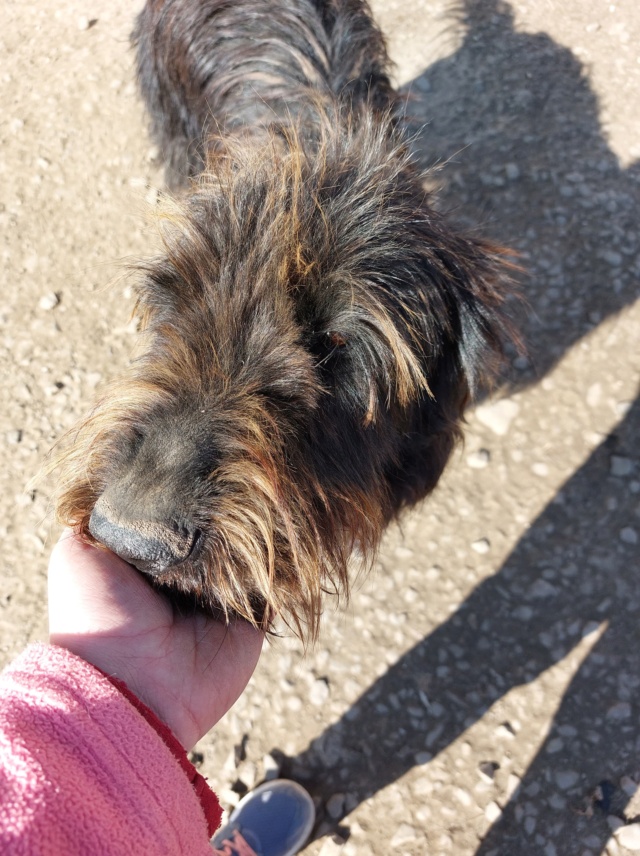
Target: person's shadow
column 514, row 119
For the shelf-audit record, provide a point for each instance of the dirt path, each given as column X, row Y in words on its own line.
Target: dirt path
column 486, row 680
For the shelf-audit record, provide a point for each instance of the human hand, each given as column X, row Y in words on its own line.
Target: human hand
column 188, row 670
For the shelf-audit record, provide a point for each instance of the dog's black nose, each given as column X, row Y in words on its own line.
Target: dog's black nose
column 151, row 546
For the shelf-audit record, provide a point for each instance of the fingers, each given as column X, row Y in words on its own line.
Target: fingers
column 91, row 590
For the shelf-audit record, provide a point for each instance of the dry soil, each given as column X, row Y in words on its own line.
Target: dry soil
column 481, row 692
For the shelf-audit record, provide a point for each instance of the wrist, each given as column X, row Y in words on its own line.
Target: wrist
column 138, row 678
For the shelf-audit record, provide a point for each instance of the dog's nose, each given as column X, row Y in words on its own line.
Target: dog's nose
column 151, row 546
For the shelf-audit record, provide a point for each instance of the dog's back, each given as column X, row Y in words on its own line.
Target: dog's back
column 218, row 67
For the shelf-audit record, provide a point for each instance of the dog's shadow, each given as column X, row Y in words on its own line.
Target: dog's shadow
column 514, row 119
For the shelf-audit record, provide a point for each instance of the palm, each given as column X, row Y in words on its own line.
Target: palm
column 189, row 670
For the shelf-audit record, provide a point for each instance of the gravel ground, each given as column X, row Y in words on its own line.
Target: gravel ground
column 481, row 692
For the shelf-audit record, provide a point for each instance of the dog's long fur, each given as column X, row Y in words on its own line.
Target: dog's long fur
column 312, row 332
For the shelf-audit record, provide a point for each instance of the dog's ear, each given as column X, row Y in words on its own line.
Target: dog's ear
column 467, row 285
column 485, row 328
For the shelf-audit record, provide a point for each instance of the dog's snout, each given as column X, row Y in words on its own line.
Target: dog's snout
column 151, row 546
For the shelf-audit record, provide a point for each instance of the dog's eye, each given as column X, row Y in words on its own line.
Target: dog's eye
column 336, row 340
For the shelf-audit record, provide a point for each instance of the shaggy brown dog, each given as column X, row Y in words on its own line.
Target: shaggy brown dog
column 312, row 332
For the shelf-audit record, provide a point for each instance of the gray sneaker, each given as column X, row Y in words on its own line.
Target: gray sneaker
column 275, row 819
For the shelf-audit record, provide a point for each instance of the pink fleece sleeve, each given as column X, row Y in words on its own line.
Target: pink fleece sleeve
column 82, row 771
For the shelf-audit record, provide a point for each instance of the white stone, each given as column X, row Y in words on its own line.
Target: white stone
column 492, row 812
column 540, row 469
column 271, row 768
column 333, row 846
column 462, row 796
column 513, row 783
column 404, row 834
column 403, row 553
column 248, row 773
column 479, row 460
column 319, row 693
column 499, row 416
column 594, row 394
column 481, row 546
column 49, row 301
column 505, row 731
column 629, row 836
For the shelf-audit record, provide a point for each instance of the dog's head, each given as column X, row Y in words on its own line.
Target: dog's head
column 310, row 339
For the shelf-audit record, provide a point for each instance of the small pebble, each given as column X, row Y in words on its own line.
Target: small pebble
column 492, row 812
column 49, row 301
column 479, row 460
column 566, row 779
column 612, row 258
column 594, row 394
column 499, row 416
column 248, row 773
column 540, row 469
column 628, row 785
column 404, row 834
column 487, row 770
column 621, row 710
column 629, row 535
column 481, row 546
column 319, row 692
column 333, row 846
column 505, row 730
column 621, row 467
column 403, row 553
column 541, row 589
column 629, row 836
column 335, row 806
column 271, row 768
column 462, row 796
